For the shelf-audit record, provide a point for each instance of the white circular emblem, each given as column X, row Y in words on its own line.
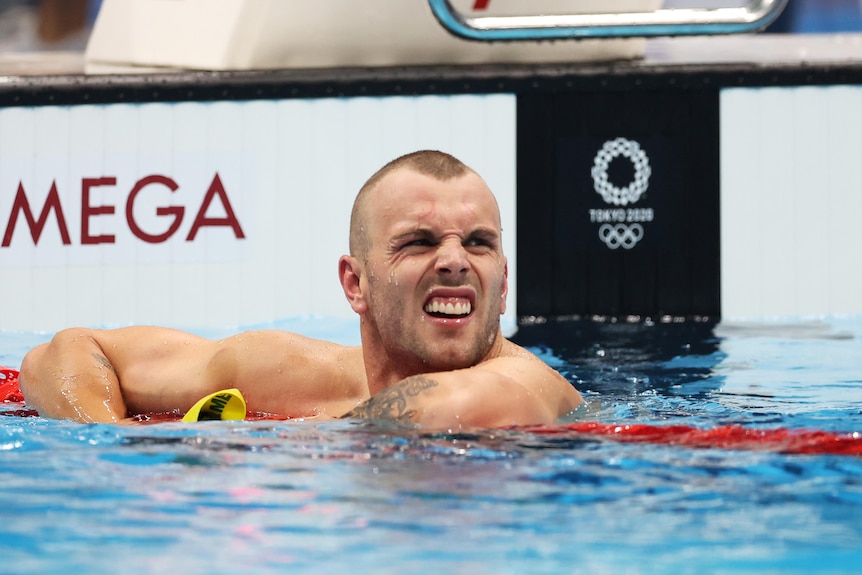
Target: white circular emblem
column 629, row 194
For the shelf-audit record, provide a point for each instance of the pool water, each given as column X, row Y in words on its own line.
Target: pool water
column 347, row 497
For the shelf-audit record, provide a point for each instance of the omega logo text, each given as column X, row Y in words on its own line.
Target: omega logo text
column 24, row 213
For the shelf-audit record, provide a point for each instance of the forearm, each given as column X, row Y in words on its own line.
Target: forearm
column 71, row 378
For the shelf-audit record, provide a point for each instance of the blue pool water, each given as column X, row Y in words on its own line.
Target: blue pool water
column 343, row 497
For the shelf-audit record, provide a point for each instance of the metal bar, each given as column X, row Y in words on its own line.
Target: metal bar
column 670, row 22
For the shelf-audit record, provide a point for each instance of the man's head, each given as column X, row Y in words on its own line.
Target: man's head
column 427, row 272
column 438, row 165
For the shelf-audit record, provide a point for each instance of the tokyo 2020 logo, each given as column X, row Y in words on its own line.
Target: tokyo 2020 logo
column 621, row 227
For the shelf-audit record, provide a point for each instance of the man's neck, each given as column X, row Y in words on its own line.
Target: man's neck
column 384, row 369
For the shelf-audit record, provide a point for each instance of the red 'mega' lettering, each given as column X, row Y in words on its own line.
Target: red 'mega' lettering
column 175, row 214
column 216, row 189
column 175, row 211
column 21, row 204
column 87, row 210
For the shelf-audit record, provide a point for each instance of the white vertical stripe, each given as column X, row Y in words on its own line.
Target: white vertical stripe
column 790, row 201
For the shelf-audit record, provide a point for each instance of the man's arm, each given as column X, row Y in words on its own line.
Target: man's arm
column 70, row 378
column 78, row 374
column 500, row 392
column 109, row 375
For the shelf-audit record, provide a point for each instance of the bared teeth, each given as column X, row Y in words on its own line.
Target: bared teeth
column 448, row 308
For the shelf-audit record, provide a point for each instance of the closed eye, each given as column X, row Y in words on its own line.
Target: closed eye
column 419, row 242
column 477, row 242
column 414, row 243
column 481, row 241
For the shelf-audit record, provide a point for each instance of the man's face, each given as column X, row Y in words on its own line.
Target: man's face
column 436, row 277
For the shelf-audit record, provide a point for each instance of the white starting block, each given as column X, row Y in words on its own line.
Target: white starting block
column 268, row 34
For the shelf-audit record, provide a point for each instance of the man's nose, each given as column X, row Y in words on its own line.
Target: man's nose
column 452, row 258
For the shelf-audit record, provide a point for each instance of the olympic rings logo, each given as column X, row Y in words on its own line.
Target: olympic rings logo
column 629, row 194
column 621, row 235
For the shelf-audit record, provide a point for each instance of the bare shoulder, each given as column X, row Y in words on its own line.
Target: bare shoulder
column 513, row 355
column 512, row 349
column 274, row 348
column 291, row 374
column 275, row 352
column 287, row 342
column 524, row 367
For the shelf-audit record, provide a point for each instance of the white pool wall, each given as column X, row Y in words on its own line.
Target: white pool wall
column 289, row 170
column 791, row 201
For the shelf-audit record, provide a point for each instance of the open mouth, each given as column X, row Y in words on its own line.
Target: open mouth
column 448, row 307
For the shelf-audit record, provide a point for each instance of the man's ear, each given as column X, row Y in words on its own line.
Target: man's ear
column 505, row 287
column 350, row 275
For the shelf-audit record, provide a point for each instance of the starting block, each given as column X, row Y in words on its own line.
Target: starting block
column 279, row 34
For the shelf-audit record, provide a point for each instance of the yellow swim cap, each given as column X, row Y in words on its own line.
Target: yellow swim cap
column 227, row 404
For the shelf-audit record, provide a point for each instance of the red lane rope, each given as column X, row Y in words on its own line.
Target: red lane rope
column 795, row 441
column 781, row 440
column 9, row 392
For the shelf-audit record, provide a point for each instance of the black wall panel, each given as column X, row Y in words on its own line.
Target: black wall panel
column 648, row 247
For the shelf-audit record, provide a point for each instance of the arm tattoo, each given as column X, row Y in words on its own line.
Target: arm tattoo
column 394, row 403
column 105, row 363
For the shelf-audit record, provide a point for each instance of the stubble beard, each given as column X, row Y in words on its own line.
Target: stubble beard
column 404, row 342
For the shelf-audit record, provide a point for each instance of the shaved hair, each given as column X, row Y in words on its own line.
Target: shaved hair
column 438, row 165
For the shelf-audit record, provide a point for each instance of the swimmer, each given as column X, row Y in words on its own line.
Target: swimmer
column 428, row 278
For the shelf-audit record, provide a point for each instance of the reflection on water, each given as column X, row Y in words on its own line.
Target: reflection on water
column 263, row 497
column 800, row 374
column 620, row 358
column 305, row 497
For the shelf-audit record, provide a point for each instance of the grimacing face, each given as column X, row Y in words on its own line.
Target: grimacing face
column 435, row 274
